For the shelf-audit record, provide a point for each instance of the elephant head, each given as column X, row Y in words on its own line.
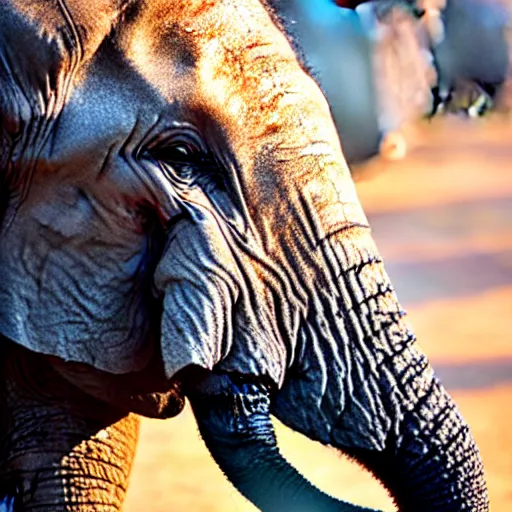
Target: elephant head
column 173, row 189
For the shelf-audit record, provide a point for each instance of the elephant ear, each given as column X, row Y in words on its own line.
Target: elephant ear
column 75, row 254
column 75, row 283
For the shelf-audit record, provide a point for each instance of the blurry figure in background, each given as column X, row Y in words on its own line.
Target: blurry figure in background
column 385, row 64
column 467, row 98
column 470, row 44
column 403, row 70
column 473, row 57
column 370, row 66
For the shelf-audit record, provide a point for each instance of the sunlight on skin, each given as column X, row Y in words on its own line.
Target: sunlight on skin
column 453, row 331
column 490, row 416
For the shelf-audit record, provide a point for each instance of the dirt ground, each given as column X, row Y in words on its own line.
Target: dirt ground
column 443, row 221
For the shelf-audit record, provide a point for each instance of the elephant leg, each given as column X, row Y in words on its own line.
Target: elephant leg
column 60, row 449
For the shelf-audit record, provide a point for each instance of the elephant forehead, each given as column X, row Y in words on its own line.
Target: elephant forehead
column 220, row 52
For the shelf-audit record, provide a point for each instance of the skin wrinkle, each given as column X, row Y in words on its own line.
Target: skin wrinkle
column 355, row 336
column 260, row 303
column 36, row 139
column 77, row 55
column 100, row 463
column 270, row 274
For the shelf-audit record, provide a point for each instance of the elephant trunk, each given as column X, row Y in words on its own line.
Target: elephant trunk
column 356, row 378
column 366, row 388
column 233, row 416
column 433, row 462
column 428, row 459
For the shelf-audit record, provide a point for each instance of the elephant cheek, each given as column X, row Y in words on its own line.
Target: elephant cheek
column 198, row 277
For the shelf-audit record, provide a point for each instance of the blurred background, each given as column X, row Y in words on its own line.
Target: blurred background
column 442, row 218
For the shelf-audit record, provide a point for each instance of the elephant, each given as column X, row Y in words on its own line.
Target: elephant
column 385, row 64
column 178, row 222
column 368, row 61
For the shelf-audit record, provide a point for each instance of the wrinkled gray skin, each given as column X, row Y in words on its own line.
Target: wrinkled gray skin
column 178, row 220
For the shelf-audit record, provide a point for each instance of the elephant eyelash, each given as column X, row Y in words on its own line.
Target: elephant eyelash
column 186, row 160
column 177, row 146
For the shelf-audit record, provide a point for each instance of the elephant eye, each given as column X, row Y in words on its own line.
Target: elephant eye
column 178, row 153
column 183, row 156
